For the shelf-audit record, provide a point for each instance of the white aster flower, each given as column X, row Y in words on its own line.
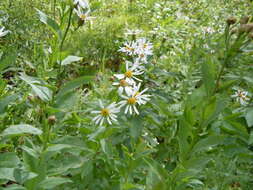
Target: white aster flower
column 83, row 15
column 82, row 3
column 130, row 75
column 129, row 48
column 241, row 97
column 123, row 86
column 133, row 99
column 107, row 114
column 3, row 33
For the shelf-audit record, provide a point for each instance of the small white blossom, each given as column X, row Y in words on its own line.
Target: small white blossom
column 123, row 86
column 83, row 15
column 3, row 33
column 130, row 75
column 241, row 97
column 107, row 114
column 133, row 99
column 129, row 48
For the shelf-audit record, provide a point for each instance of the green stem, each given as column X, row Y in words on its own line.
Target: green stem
column 64, row 37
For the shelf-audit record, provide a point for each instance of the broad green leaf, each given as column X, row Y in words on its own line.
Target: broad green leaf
column 13, row 187
column 207, row 143
column 70, row 59
column 208, row 76
column 4, row 102
column 53, row 182
column 9, row 160
column 43, row 92
column 8, row 60
column 69, row 86
column 249, row 117
column 21, row 129
column 7, row 173
column 51, row 23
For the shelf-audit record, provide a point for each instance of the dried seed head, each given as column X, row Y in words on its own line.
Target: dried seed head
column 231, row 20
column 244, row 20
column 52, row 119
column 246, row 28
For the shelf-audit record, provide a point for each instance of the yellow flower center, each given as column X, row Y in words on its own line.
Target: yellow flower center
column 131, row 100
column 105, row 112
column 83, row 16
column 128, row 74
column 145, row 46
column 123, row 83
column 142, row 55
column 129, row 48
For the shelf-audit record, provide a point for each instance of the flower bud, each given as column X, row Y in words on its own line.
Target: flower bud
column 52, row 119
column 231, row 20
column 244, row 20
column 112, row 78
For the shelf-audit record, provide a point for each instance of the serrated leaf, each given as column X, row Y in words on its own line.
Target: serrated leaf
column 21, row 129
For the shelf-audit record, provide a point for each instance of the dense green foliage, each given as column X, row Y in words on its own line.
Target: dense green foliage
column 195, row 132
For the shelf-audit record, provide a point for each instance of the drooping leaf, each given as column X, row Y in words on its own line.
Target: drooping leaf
column 21, row 129
column 38, row 87
column 70, row 59
column 249, row 117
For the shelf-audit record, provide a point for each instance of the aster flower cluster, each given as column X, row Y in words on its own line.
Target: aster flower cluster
column 241, row 96
column 128, row 82
column 82, row 9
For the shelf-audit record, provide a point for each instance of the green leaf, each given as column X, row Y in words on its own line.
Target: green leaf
column 7, row 173
column 53, row 182
column 69, row 86
column 21, row 129
column 208, row 76
column 9, row 160
column 43, row 92
column 70, row 59
column 51, row 23
column 6, row 101
column 13, row 187
column 207, row 143
column 249, row 117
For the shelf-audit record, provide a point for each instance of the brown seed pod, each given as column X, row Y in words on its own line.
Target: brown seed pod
column 231, row 20
column 52, row 119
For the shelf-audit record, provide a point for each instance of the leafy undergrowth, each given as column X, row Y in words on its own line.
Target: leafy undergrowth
column 126, row 95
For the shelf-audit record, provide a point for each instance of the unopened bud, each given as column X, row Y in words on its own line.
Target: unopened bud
column 244, row 20
column 112, row 78
column 231, row 20
column 52, row 119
